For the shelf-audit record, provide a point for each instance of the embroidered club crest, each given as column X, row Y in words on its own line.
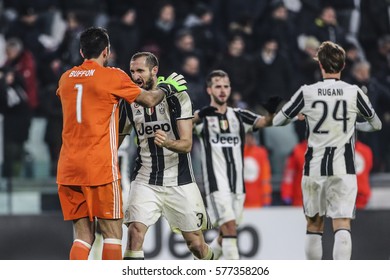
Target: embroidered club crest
column 161, row 109
column 223, row 124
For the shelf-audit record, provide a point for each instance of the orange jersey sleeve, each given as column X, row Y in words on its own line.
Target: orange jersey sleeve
column 90, row 97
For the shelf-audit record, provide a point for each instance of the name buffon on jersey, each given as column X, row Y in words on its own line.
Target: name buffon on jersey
column 81, row 73
column 330, row 92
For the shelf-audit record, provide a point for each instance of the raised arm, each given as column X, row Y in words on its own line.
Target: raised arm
column 173, row 84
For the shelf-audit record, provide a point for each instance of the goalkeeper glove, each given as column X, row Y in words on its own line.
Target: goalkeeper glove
column 173, row 84
column 206, row 111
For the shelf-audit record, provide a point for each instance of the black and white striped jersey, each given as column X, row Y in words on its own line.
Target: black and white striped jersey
column 223, row 137
column 156, row 165
column 331, row 108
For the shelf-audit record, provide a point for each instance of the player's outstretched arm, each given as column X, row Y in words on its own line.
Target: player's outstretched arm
column 165, row 87
column 373, row 124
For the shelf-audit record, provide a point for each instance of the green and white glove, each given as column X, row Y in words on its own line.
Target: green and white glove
column 173, row 84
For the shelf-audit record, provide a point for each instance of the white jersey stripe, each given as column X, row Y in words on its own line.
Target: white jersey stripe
column 113, row 145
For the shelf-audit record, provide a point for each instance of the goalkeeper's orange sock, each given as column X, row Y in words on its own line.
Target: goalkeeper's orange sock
column 80, row 250
column 112, row 249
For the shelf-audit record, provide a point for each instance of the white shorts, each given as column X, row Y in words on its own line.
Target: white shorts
column 182, row 206
column 225, row 206
column 333, row 196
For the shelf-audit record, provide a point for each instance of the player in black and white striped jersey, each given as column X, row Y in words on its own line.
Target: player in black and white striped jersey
column 162, row 182
column 330, row 108
column 221, row 130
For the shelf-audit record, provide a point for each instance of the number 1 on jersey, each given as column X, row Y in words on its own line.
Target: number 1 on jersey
column 79, row 88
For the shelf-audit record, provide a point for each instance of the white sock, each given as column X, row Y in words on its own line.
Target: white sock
column 230, row 248
column 342, row 248
column 217, row 249
column 313, row 245
column 133, row 255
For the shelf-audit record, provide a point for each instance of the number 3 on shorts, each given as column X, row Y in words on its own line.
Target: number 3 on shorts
column 200, row 217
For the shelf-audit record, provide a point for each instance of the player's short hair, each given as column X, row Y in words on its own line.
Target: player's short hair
column 215, row 73
column 93, row 41
column 151, row 60
column 331, row 56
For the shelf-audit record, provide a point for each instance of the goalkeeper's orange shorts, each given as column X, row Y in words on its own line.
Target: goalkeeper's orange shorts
column 103, row 201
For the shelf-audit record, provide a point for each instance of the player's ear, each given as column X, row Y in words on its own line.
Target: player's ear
column 81, row 53
column 208, row 89
column 106, row 52
column 155, row 70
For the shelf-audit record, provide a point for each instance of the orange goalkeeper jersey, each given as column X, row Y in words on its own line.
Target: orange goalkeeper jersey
column 90, row 95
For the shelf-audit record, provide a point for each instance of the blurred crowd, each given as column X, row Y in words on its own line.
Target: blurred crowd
column 266, row 46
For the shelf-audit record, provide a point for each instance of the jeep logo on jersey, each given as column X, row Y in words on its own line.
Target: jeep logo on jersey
column 148, row 129
column 225, row 140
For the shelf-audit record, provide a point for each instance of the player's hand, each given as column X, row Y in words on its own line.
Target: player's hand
column 273, row 104
column 173, row 84
column 160, row 138
column 206, row 111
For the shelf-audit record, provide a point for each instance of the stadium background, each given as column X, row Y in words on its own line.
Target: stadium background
column 191, row 37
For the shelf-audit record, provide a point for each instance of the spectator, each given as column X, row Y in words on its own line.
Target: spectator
column 326, row 28
column 195, row 82
column 29, row 28
column 379, row 57
column 125, row 37
column 184, row 46
column 374, row 24
column 280, row 25
column 274, row 74
column 352, row 56
column 14, row 106
column 307, row 67
column 200, row 23
column 162, row 32
column 238, row 65
column 379, row 94
column 23, row 61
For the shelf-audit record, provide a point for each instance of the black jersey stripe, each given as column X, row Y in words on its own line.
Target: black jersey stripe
column 363, row 107
column 185, row 176
column 122, row 114
column 211, row 180
column 349, row 157
column 138, row 165
column 330, row 161
column 229, row 158
column 295, row 107
column 138, row 160
column 156, row 175
column 327, row 161
column 242, row 137
column 308, row 158
column 246, row 116
column 230, row 170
